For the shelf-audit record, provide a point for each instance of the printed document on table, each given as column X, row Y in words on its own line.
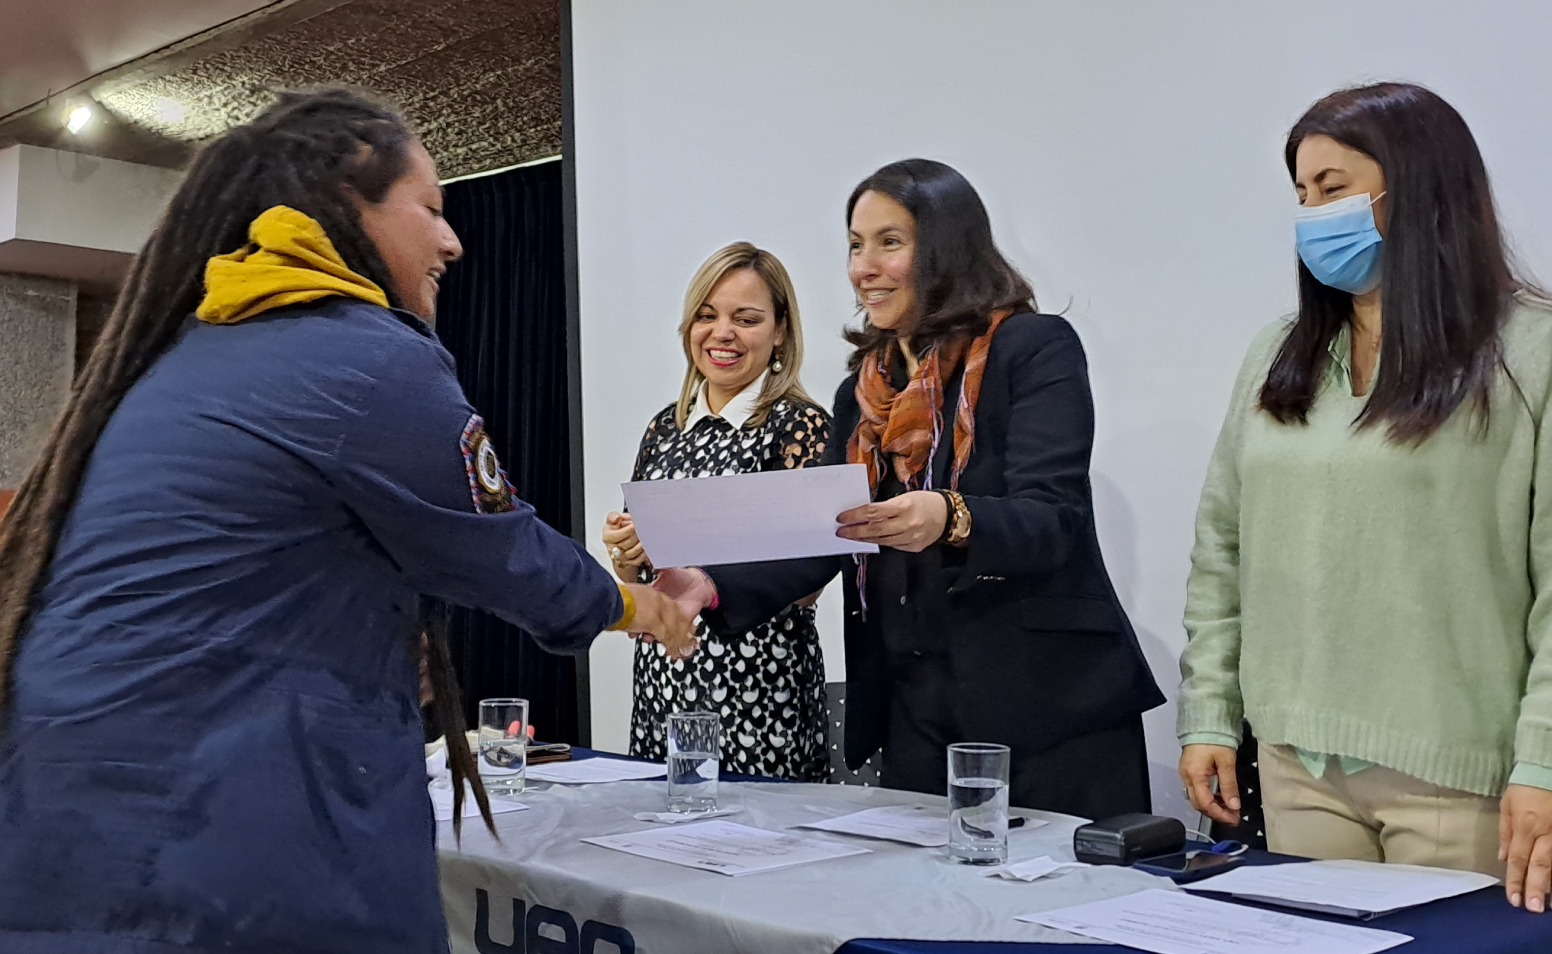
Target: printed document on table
column 442, row 804
column 725, row 847
column 585, row 771
column 1357, row 889
column 1173, row 922
column 746, row 518
column 913, row 824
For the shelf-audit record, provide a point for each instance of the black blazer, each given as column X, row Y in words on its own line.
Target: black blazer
column 1040, row 648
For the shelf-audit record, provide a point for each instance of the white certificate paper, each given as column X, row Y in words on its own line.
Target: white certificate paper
column 1351, row 888
column 1173, row 922
column 442, row 804
column 746, row 518
column 584, row 771
column 912, row 824
column 725, row 847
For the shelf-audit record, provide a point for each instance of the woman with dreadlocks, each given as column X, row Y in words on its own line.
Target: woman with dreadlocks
column 211, row 582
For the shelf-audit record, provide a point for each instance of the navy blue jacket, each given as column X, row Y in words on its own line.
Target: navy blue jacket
column 215, row 740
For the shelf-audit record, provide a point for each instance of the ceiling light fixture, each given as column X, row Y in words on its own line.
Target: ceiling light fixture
column 78, row 119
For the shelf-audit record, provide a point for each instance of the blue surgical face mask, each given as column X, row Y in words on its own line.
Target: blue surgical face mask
column 1339, row 243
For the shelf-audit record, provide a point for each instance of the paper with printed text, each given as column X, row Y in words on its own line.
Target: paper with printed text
column 747, row 518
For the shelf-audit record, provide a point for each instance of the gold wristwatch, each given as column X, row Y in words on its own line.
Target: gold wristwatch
column 956, row 529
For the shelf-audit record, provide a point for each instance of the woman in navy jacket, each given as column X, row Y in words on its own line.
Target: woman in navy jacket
column 210, row 599
column 987, row 615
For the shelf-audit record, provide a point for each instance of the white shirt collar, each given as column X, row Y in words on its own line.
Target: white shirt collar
column 736, row 411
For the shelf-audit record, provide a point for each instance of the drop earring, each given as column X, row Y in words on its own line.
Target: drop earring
column 776, row 365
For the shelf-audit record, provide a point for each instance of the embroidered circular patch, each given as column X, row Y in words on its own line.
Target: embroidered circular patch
column 488, row 483
column 487, row 467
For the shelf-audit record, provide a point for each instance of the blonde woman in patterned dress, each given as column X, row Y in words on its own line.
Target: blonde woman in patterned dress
column 742, row 410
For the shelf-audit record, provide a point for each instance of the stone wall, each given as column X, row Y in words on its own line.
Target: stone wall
column 37, row 362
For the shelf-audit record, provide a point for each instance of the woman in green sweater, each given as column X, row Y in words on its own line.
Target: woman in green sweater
column 1371, row 586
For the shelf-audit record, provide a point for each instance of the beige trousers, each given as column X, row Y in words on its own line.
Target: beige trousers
column 1377, row 814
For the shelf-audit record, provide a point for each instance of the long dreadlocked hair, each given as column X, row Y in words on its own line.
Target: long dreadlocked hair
column 309, row 151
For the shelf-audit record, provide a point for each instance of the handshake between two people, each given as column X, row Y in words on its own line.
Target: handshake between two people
column 666, row 609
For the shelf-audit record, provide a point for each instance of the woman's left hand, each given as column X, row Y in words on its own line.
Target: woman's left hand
column 911, row 522
column 1525, row 842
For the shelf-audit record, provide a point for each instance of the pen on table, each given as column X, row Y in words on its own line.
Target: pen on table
column 1017, row 821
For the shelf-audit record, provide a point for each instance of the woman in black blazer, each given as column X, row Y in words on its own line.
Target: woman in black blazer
column 988, row 615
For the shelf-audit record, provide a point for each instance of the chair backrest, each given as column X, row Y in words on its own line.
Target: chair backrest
column 835, row 729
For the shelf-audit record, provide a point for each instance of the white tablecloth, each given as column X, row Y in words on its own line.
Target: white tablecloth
column 574, row 897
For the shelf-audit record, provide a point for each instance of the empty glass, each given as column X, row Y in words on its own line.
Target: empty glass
column 503, row 754
column 694, row 759
column 978, row 803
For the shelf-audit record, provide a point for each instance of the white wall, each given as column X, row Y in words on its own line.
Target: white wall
column 68, row 215
column 1129, row 153
column 80, row 201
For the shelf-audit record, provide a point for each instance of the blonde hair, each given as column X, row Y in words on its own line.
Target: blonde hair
column 778, row 384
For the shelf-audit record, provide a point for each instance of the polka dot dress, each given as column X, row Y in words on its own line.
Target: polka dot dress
column 768, row 683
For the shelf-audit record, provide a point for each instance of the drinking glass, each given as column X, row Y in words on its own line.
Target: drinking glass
column 694, row 757
column 503, row 754
column 978, row 803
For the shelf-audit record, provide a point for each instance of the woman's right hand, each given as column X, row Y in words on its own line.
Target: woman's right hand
column 663, row 619
column 1199, row 765
column 623, row 546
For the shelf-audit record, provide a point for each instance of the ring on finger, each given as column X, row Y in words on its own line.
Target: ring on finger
column 614, row 553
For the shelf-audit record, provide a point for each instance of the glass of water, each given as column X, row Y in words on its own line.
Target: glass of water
column 694, row 756
column 503, row 754
column 978, row 803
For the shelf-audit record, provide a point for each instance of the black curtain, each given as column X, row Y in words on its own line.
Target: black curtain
column 502, row 314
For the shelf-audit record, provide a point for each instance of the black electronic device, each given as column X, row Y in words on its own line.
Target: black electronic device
column 1124, row 839
column 1184, row 867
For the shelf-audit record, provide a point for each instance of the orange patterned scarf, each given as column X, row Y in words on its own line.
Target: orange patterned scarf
column 906, row 425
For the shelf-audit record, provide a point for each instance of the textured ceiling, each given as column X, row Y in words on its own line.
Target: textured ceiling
column 50, row 45
column 480, row 79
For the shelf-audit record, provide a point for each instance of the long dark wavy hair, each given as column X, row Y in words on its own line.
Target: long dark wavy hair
column 307, row 151
column 960, row 275
column 1445, row 278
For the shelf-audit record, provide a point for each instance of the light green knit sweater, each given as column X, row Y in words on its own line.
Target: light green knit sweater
column 1384, row 602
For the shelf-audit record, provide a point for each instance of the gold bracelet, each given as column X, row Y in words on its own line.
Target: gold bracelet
column 959, row 525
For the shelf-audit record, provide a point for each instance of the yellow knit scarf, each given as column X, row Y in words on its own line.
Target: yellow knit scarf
column 288, row 261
